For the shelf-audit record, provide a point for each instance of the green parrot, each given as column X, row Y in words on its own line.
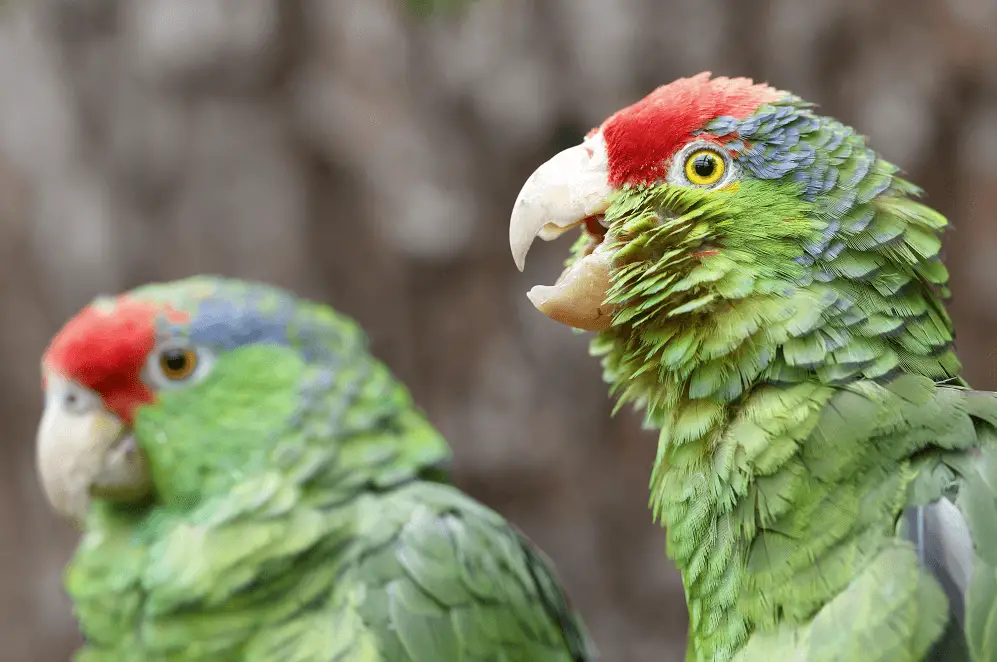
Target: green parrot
column 254, row 486
column 768, row 291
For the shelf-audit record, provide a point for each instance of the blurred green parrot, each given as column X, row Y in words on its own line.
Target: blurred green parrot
column 254, row 486
column 769, row 291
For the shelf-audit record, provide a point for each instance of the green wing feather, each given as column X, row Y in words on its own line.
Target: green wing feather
column 461, row 584
column 839, row 561
column 420, row 573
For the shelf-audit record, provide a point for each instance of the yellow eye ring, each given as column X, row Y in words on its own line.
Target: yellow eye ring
column 704, row 167
column 177, row 363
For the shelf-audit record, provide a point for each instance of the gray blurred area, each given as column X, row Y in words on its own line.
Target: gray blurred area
column 368, row 158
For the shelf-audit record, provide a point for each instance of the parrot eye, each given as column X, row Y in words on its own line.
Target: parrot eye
column 176, row 365
column 704, row 167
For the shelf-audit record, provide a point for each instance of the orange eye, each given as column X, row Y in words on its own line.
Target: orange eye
column 704, row 167
column 178, row 363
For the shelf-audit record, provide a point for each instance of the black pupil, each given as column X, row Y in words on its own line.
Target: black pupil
column 704, row 165
column 175, row 360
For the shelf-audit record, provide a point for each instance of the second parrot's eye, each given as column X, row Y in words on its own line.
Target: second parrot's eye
column 704, row 167
column 178, row 363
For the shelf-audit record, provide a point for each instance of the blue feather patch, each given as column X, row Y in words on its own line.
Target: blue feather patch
column 226, row 324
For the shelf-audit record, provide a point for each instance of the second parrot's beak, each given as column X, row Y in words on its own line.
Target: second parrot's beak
column 569, row 189
column 85, row 451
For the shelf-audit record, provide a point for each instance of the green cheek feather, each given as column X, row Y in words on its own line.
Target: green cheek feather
column 199, row 440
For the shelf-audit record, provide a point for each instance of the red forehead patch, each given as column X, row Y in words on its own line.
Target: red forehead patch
column 641, row 138
column 105, row 348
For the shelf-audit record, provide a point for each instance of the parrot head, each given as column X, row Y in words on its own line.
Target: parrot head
column 677, row 176
column 723, row 223
column 173, row 392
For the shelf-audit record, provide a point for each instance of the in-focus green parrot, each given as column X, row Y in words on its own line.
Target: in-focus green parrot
column 254, row 486
column 769, row 291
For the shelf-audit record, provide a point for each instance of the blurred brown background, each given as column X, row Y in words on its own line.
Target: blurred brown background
column 370, row 159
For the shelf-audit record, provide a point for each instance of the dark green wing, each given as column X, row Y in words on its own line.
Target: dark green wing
column 448, row 579
column 888, row 593
column 965, row 539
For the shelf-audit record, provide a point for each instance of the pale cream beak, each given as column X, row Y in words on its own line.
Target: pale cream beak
column 560, row 194
column 85, row 451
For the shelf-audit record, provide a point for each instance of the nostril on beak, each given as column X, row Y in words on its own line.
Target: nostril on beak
column 73, row 400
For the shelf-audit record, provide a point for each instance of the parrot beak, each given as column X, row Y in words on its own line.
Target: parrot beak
column 569, row 189
column 85, row 451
